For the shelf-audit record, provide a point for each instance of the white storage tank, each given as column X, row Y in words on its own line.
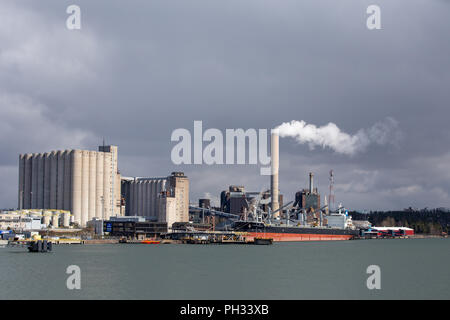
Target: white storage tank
column 66, row 219
column 55, row 220
column 46, row 219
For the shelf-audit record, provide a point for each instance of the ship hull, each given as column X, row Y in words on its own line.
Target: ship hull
column 286, row 237
column 288, row 233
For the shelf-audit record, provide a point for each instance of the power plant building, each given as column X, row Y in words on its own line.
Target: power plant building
column 87, row 183
column 308, row 199
column 236, row 200
column 164, row 199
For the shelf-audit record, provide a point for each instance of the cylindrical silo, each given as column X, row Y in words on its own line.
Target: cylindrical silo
column 46, row 219
column 27, row 182
column 34, row 180
column 158, row 191
column 107, row 184
column 76, row 185
column 65, row 219
column 85, row 188
column 55, row 220
column 47, row 180
column 136, row 198
column 53, row 177
column 160, row 186
column 140, row 197
column 147, row 198
column 67, row 202
column 99, row 185
column 131, row 198
column 152, row 197
column 60, row 181
column 40, row 181
column 92, row 184
column 21, row 181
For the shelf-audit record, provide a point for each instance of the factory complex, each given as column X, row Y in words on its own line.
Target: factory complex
column 84, row 190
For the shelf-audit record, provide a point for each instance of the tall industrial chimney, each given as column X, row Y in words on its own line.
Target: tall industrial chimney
column 311, row 182
column 274, row 177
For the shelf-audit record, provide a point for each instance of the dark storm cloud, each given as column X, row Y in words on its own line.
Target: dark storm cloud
column 140, row 69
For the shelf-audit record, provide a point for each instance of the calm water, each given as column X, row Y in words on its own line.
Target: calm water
column 410, row 268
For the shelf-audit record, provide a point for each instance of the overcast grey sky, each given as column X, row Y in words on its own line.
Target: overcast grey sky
column 137, row 70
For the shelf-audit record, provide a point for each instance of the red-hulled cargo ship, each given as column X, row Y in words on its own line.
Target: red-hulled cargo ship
column 292, row 233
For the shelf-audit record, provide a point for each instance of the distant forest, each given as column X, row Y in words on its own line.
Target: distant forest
column 425, row 221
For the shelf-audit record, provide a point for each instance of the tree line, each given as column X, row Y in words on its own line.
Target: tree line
column 425, row 221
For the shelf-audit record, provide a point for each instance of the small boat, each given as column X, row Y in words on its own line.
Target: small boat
column 123, row 240
column 151, row 241
column 40, row 246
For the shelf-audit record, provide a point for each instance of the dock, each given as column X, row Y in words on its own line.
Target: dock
column 215, row 237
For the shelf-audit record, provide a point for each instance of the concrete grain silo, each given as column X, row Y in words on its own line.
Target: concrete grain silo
column 92, row 184
column 130, row 199
column 86, row 183
column 141, row 198
column 76, row 185
column 85, row 187
column 60, row 180
column 153, row 198
column 26, row 187
column 40, row 182
column 53, row 179
column 67, row 185
column 99, row 185
column 34, row 180
column 147, row 198
column 47, row 180
column 21, row 179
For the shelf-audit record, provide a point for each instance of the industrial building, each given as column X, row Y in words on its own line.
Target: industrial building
column 14, row 221
column 163, row 199
column 34, row 219
column 236, row 200
column 87, row 183
column 308, row 199
column 133, row 227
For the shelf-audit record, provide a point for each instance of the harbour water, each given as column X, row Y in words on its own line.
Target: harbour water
column 410, row 269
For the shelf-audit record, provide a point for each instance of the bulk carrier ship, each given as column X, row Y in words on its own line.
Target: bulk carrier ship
column 254, row 229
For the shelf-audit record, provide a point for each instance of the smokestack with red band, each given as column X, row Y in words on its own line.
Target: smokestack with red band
column 274, row 177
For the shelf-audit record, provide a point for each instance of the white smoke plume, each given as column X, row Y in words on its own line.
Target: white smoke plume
column 330, row 136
